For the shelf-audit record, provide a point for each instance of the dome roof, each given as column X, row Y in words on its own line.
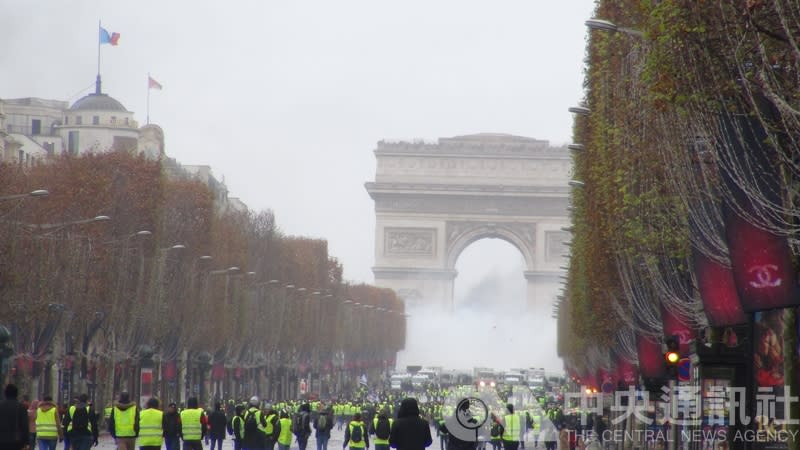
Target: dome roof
column 97, row 102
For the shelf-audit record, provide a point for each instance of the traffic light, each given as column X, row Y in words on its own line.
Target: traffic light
column 672, row 356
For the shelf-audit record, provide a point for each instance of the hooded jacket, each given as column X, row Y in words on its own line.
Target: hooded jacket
column 92, row 421
column 123, row 407
column 410, row 431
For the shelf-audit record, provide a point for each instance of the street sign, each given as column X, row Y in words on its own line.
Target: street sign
column 685, row 369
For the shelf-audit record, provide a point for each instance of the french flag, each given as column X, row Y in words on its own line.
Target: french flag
column 108, row 38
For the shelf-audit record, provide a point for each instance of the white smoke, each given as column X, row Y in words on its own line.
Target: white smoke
column 490, row 325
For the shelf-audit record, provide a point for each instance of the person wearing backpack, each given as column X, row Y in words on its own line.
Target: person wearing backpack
column 236, row 427
column 355, row 435
column 382, row 429
column 301, row 425
column 323, row 426
column 124, row 422
column 81, row 424
column 255, row 423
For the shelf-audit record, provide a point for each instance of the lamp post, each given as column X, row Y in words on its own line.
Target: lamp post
column 600, row 24
column 36, row 193
column 6, row 351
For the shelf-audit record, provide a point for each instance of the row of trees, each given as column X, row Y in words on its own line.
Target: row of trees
column 175, row 274
column 672, row 95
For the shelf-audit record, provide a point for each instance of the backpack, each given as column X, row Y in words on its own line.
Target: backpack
column 496, row 430
column 250, row 423
column 357, row 435
column 299, row 423
column 383, row 429
column 322, row 422
column 80, row 421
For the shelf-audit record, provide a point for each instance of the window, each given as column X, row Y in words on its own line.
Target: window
column 127, row 121
column 125, row 144
column 72, row 143
column 21, row 157
column 36, row 127
column 79, row 120
column 66, row 120
column 50, row 147
column 95, row 120
column 113, row 119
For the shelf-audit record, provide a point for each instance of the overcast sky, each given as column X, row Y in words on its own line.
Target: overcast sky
column 287, row 98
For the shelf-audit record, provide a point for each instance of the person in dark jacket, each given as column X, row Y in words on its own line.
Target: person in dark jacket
column 323, row 426
column 410, row 431
column 171, row 423
column 217, row 423
column 14, row 433
column 304, row 430
column 81, row 439
column 236, row 427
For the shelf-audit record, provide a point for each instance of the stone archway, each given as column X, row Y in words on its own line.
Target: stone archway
column 433, row 200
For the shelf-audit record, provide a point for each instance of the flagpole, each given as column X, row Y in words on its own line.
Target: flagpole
column 97, row 83
column 148, row 98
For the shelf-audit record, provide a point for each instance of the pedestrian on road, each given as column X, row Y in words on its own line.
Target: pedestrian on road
column 217, row 422
column 48, row 424
column 410, row 431
column 236, row 427
column 151, row 426
column 302, row 426
column 323, row 426
column 172, row 427
column 193, row 425
column 124, row 422
column 14, row 432
column 81, row 423
column 32, row 408
column 285, row 437
column 355, row 435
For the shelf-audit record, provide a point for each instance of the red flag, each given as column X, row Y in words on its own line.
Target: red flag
column 153, row 84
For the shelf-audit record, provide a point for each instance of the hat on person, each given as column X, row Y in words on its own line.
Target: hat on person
column 254, row 401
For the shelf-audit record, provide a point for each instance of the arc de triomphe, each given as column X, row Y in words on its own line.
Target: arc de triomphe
column 432, row 200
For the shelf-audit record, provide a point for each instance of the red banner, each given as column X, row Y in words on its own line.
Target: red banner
column 651, row 357
column 674, row 325
column 217, row 372
column 718, row 292
column 169, row 370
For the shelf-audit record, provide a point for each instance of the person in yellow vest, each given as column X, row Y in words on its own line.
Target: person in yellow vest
column 151, row 429
column 236, row 427
column 48, row 424
column 81, row 423
column 355, row 435
column 193, row 425
column 495, row 432
column 285, row 437
column 512, row 429
column 272, row 429
column 382, row 428
column 123, row 425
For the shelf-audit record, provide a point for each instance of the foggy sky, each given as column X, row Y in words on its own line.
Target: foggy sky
column 287, row 98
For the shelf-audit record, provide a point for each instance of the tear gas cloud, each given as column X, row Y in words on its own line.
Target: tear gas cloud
column 490, row 324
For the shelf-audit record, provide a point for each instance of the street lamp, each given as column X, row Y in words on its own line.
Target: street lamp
column 576, row 147
column 582, row 110
column 6, row 350
column 53, row 226
column 36, row 193
column 605, row 25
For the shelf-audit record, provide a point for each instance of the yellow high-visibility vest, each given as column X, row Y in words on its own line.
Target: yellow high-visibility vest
column 123, row 421
column 151, row 432
column 46, row 424
column 72, row 414
column 375, row 427
column 512, row 428
column 363, row 442
column 285, row 437
column 191, row 425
